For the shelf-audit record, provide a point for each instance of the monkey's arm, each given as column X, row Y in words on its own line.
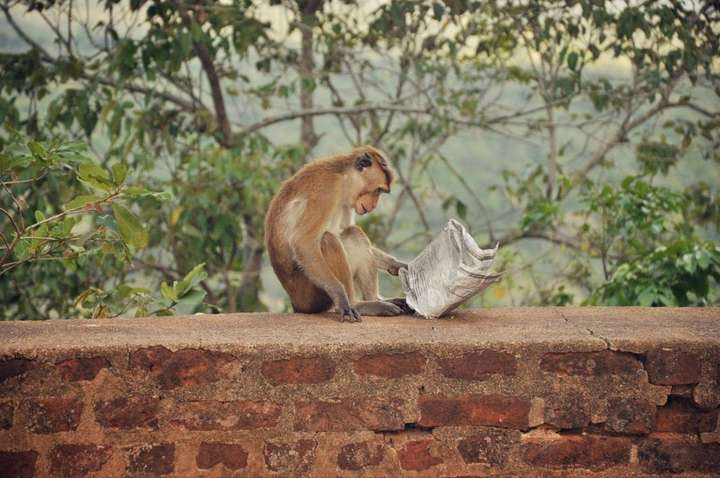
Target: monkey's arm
column 387, row 263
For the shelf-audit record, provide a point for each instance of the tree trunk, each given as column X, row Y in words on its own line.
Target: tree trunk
column 307, row 71
column 247, row 296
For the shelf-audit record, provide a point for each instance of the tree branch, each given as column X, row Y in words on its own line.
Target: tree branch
column 350, row 110
column 213, row 79
column 21, row 33
column 127, row 86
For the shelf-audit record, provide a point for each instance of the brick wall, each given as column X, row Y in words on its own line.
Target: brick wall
column 521, row 392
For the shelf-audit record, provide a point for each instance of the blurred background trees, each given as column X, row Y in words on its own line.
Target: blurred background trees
column 141, row 142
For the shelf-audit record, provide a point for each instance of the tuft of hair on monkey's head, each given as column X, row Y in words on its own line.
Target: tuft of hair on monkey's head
column 365, row 159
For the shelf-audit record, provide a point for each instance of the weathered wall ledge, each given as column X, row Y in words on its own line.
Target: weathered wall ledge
column 506, row 392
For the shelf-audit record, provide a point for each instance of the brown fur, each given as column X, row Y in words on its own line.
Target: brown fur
column 319, row 255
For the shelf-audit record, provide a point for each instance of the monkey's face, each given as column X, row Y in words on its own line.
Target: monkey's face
column 376, row 179
column 366, row 202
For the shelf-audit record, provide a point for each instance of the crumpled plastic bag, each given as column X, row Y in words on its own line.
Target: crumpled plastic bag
column 449, row 271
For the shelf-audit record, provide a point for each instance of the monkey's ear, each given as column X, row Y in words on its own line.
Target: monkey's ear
column 363, row 161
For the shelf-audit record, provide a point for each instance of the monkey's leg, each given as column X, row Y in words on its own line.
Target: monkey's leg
column 364, row 270
column 362, row 263
column 306, row 297
column 364, row 252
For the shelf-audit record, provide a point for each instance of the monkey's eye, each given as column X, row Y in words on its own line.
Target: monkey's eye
column 363, row 161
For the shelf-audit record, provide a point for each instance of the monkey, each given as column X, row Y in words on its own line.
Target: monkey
column 320, row 256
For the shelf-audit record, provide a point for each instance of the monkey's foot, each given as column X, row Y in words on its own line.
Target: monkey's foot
column 378, row 307
column 402, row 303
column 350, row 315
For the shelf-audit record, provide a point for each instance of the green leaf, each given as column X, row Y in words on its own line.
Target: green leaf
column 82, row 200
column 136, row 191
column 185, row 43
column 124, row 291
column 191, row 279
column 438, row 10
column 647, row 297
column 92, row 170
column 76, row 147
column 162, row 196
column 130, row 227
column 168, row 292
column 22, row 250
column 703, row 259
column 192, row 298
column 119, row 173
column 8, row 161
column 69, row 223
column 140, row 192
column 37, row 150
column 95, row 177
column 572, row 60
column 461, row 209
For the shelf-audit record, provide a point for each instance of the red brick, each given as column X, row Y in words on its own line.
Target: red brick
column 185, row 367
column 390, row 365
column 299, row 370
column 293, row 458
column 685, row 390
column 583, row 451
column 78, row 460
column 18, row 464
column 377, row 414
column 150, row 358
column 478, row 365
column 85, row 368
column 672, row 367
column 472, row 410
column 357, row 456
column 155, row 459
column 230, row 455
column 568, row 410
column 630, row 416
column 232, row 415
column 10, row 368
column 7, row 412
column 671, row 455
column 590, row 363
column 53, row 415
column 679, row 415
column 490, row 447
column 128, row 413
column 706, row 394
column 416, row 455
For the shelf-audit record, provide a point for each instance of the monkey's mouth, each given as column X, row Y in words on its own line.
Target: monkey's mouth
column 364, row 210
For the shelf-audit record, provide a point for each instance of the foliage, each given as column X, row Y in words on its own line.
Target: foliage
column 636, row 222
column 44, row 243
column 677, row 275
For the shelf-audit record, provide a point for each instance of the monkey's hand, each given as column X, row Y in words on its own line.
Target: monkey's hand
column 348, row 314
column 394, row 267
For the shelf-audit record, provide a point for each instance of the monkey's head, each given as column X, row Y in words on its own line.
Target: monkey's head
column 376, row 177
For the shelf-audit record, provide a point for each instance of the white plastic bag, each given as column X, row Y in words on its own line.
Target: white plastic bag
column 449, row 271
